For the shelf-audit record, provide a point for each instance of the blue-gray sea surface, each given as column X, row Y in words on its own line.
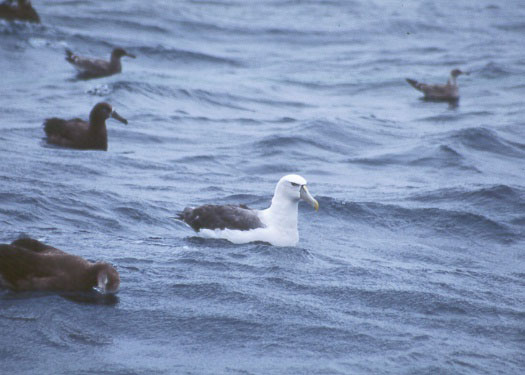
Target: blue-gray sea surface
column 415, row 262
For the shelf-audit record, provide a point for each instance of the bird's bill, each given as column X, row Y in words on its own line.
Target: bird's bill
column 118, row 117
column 130, row 55
column 307, row 197
column 102, row 286
column 102, row 282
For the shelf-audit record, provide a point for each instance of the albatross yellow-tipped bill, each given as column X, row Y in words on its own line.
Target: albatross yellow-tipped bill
column 307, row 197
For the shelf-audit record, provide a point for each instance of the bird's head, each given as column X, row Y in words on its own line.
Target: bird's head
column 119, row 52
column 457, row 72
column 102, row 111
column 293, row 188
column 107, row 278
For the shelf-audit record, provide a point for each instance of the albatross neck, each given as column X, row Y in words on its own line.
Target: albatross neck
column 114, row 63
column 284, row 211
column 96, row 121
column 97, row 133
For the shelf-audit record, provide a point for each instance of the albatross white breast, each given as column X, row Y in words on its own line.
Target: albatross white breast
column 276, row 225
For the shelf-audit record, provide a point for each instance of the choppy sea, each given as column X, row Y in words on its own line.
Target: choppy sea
column 415, row 262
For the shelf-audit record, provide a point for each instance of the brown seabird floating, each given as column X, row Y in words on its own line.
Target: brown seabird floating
column 77, row 133
column 30, row 265
column 92, row 68
column 447, row 92
column 23, row 11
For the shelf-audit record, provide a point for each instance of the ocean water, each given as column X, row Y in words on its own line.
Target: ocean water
column 415, row 262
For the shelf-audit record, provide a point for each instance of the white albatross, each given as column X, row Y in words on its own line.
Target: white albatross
column 276, row 225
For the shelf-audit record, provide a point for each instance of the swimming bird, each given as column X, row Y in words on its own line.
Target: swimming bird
column 276, row 225
column 30, row 265
column 92, row 68
column 23, row 11
column 77, row 133
column 448, row 91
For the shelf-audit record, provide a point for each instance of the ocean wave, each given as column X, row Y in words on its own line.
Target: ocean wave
column 139, row 214
column 502, row 197
column 456, row 117
column 306, row 136
column 441, row 156
column 487, row 140
column 101, row 19
column 20, row 28
column 516, row 26
column 493, row 70
column 440, row 221
column 152, row 91
column 190, row 57
column 273, row 143
column 210, row 290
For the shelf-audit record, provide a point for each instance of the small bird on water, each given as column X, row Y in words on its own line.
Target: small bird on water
column 446, row 92
column 89, row 67
column 22, row 11
column 77, row 133
column 30, row 265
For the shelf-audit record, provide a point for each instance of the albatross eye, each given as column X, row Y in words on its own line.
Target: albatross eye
column 294, row 184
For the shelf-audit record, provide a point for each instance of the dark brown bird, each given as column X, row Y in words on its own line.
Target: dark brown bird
column 447, row 92
column 23, row 11
column 93, row 68
column 77, row 133
column 30, row 265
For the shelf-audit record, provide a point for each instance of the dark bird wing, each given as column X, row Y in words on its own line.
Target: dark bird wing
column 423, row 87
column 36, row 246
column 7, row 11
column 415, row 84
column 438, row 91
column 432, row 91
column 68, row 133
column 24, row 11
column 18, row 265
column 221, row 217
column 88, row 65
column 28, row 264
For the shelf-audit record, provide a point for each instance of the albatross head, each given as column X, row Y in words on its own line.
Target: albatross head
column 456, row 72
column 108, row 279
column 102, row 111
column 119, row 52
column 292, row 188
